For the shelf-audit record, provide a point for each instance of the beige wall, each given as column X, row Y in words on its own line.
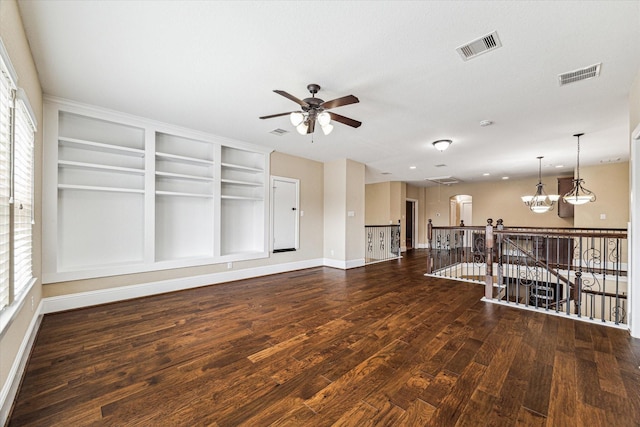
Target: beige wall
column 378, row 203
column 335, row 203
column 344, row 193
column 15, row 42
column 610, row 183
column 355, row 203
column 502, row 200
column 495, row 200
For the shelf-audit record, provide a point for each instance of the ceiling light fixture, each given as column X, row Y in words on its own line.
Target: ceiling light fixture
column 579, row 195
column 314, row 110
column 442, row 144
column 540, row 202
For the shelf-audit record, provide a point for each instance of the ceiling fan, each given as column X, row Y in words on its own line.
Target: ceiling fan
column 315, row 109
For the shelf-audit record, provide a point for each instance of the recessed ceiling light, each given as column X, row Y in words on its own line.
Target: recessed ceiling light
column 412, row 167
column 559, row 166
column 610, row 160
column 486, row 174
column 505, row 177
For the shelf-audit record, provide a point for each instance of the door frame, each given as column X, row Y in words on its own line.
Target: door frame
column 272, row 209
column 414, row 224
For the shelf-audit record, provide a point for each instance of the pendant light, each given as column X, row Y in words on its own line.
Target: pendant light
column 579, row 195
column 540, row 202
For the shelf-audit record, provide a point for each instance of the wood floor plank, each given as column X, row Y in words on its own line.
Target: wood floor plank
column 379, row 345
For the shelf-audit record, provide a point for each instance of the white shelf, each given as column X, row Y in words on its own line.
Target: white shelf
column 183, row 176
column 259, row 199
column 176, row 193
column 98, row 188
column 99, row 146
column 95, row 166
column 242, row 168
column 247, row 183
column 175, row 157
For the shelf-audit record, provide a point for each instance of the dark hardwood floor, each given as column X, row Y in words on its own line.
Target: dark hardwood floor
column 379, row 345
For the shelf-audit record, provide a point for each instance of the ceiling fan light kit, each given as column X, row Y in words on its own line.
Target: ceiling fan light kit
column 316, row 110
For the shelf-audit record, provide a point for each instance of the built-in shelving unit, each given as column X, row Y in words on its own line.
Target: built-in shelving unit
column 242, row 195
column 135, row 195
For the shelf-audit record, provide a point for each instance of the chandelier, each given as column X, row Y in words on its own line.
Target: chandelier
column 579, row 195
column 540, row 202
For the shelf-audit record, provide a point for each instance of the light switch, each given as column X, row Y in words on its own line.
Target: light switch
column 603, row 216
column 351, row 213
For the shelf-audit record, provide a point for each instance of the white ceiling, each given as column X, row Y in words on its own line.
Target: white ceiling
column 212, row 66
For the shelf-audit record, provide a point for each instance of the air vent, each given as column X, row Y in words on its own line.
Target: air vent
column 581, row 74
column 479, row 46
column 444, row 180
column 279, row 132
column 385, row 173
column 441, row 165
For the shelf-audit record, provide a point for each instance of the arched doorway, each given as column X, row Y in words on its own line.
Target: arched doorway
column 460, row 209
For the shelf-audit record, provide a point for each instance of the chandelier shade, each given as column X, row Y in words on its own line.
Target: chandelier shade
column 579, row 194
column 540, row 202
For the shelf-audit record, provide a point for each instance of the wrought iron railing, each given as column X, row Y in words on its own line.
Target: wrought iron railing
column 577, row 272
column 382, row 242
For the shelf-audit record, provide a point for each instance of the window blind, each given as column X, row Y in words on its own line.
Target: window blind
column 7, row 91
column 23, row 194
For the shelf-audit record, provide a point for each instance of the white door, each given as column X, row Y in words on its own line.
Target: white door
column 285, row 213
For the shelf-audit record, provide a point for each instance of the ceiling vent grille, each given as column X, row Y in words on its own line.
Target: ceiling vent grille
column 479, row 46
column 581, row 74
column 444, row 180
column 279, row 132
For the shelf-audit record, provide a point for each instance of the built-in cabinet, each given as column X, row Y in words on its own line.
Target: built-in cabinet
column 124, row 194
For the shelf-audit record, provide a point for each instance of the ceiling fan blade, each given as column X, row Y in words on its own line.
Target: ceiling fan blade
column 312, row 126
column 291, row 97
column 276, row 115
column 339, row 102
column 345, row 120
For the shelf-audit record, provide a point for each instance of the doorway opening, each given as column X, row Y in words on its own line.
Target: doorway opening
column 460, row 210
column 410, row 223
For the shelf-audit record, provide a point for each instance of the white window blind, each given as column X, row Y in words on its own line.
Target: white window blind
column 7, row 91
column 25, row 128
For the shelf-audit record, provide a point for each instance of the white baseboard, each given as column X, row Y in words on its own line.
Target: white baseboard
column 343, row 265
column 104, row 296
column 14, row 377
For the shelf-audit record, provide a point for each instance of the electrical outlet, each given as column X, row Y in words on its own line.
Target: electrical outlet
column 32, row 303
column 229, row 265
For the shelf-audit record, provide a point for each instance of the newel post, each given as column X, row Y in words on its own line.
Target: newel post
column 429, row 246
column 498, row 239
column 488, row 259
